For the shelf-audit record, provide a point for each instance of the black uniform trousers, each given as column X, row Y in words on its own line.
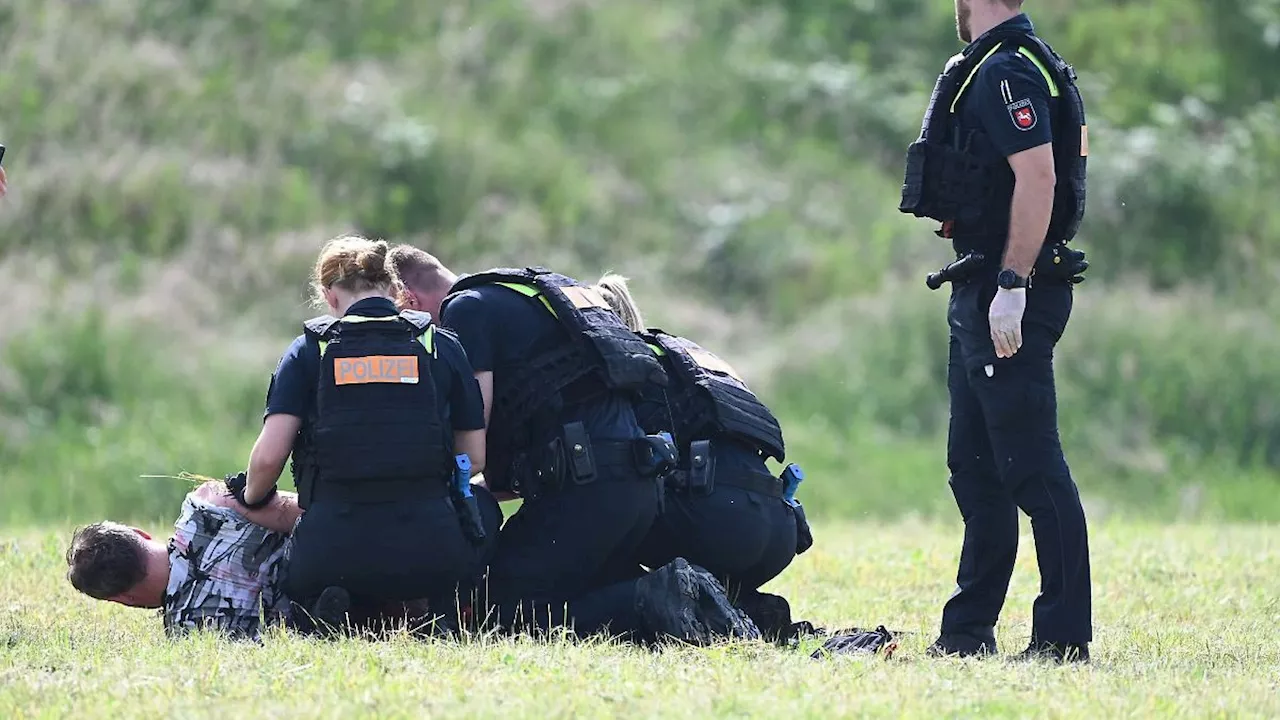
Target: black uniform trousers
column 1004, row 454
column 567, row 558
column 742, row 537
column 387, row 552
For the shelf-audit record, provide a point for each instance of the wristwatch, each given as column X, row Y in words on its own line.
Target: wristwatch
column 1010, row 280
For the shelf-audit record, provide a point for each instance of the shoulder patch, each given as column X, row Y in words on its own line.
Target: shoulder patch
column 1022, row 113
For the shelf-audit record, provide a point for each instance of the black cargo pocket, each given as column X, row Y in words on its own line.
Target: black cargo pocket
column 1015, row 399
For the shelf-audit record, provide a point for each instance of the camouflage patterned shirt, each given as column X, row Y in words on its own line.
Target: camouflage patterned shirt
column 225, row 573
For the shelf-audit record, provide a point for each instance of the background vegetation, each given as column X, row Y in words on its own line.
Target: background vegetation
column 175, row 166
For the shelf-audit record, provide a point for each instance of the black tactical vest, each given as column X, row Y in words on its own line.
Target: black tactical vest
column 705, row 398
column 601, row 355
column 376, row 416
column 945, row 182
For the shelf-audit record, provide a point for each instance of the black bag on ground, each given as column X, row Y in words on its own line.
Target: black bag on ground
column 855, row 641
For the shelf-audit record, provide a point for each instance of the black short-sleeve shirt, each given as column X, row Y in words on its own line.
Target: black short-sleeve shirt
column 294, row 383
column 1005, row 110
column 501, row 328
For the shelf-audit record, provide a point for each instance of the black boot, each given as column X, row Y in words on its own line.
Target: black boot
column 719, row 615
column 330, row 610
column 770, row 613
column 667, row 602
column 979, row 643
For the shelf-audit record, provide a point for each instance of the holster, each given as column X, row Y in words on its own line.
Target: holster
column 1059, row 262
column 655, row 456
column 579, row 458
column 701, row 476
column 804, row 535
column 468, row 512
column 539, row 472
column 656, row 459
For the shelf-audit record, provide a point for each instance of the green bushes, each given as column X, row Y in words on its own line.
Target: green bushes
column 741, row 157
column 89, row 407
column 1157, row 393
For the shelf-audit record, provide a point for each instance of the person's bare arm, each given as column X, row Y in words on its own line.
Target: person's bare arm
column 1032, row 207
column 484, row 379
column 499, row 495
column 278, row 515
column 269, row 454
column 472, row 443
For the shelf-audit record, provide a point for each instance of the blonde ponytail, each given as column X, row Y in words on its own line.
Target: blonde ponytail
column 613, row 288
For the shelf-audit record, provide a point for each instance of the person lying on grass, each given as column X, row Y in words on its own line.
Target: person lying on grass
column 220, row 570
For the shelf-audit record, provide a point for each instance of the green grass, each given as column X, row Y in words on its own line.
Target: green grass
column 1185, row 619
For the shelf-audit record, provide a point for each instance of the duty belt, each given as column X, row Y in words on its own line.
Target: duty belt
column 1056, row 263
column 577, row 459
column 756, row 482
column 617, row 460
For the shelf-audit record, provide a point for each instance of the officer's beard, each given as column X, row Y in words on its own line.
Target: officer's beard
column 962, row 20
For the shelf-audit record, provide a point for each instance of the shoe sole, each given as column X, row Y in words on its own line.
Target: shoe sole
column 667, row 600
column 715, row 610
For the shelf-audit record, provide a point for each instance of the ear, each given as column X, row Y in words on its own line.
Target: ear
column 141, row 532
column 331, row 298
column 125, row 598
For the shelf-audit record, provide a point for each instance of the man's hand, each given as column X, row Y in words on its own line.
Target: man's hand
column 4, row 183
column 1005, row 317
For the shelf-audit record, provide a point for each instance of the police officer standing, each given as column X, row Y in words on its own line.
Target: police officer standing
column 559, row 371
column 384, row 421
column 1001, row 164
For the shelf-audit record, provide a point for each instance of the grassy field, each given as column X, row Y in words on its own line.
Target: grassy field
column 1185, row 617
column 175, row 167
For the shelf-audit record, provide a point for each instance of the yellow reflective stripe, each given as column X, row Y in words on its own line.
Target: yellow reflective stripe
column 427, row 338
column 657, row 350
column 1053, row 86
column 974, row 71
column 522, row 289
column 528, row 291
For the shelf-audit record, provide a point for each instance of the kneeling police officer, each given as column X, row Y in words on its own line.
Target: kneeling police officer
column 1000, row 162
column 724, row 510
column 558, row 372
column 385, row 425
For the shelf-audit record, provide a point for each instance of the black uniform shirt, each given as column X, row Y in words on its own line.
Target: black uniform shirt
column 1005, row 110
column 294, row 384
column 501, row 328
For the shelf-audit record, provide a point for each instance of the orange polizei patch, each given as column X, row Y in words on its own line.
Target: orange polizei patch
column 375, row 369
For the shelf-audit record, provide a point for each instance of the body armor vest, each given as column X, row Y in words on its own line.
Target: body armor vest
column 376, row 417
column 601, row 355
column 946, row 182
column 705, row 398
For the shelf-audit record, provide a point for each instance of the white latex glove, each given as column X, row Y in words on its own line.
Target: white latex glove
column 1005, row 317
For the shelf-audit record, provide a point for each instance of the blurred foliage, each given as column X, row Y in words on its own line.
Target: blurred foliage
column 736, row 155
